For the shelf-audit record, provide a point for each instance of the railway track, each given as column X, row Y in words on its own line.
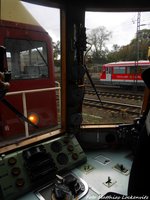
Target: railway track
column 114, row 87
column 118, row 94
column 113, row 106
column 97, row 83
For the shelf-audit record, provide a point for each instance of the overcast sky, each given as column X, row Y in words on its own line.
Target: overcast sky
column 122, row 25
column 48, row 17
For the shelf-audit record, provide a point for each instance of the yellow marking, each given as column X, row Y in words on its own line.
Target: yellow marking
column 14, row 11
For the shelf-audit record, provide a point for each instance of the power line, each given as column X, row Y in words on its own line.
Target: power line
column 137, row 33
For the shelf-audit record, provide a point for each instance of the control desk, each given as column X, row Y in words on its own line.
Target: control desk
column 59, row 169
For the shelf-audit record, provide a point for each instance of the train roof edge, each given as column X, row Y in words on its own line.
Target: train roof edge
column 15, row 11
column 147, row 62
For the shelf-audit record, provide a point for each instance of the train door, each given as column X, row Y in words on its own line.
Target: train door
column 108, row 74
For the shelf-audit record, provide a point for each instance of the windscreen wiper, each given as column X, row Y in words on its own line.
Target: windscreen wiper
column 19, row 114
column 91, row 81
column 3, row 89
column 32, row 45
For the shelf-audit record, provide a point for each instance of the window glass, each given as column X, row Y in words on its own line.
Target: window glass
column 115, row 65
column 128, row 69
column 132, row 70
column 119, row 70
column 27, row 59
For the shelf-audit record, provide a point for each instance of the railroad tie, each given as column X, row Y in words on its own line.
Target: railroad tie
column 123, row 113
column 114, row 113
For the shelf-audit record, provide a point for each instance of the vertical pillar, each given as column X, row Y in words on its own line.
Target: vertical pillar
column 75, row 40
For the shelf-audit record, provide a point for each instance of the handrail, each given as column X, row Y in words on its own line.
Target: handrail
column 32, row 91
column 24, row 92
column 59, row 94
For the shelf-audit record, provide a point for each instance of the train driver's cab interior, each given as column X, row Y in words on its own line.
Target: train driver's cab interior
column 74, row 100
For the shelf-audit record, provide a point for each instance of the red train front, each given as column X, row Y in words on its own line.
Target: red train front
column 32, row 86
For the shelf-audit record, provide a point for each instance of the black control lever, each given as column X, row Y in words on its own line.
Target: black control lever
column 61, row 191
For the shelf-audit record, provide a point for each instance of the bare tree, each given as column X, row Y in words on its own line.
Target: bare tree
column 98, row 38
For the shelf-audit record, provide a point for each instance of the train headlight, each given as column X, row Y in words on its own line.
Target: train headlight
column 34, row 118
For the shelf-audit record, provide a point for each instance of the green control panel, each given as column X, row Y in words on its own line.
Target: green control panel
column 30, row 168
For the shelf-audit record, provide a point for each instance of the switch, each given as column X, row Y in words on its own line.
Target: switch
column 109, row 182
column 121, row 168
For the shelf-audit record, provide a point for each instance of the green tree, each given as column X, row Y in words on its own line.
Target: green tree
column 56, row 53
column 137, row 49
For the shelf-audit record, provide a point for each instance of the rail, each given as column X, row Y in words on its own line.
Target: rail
column 24, row 92
column 128, row 108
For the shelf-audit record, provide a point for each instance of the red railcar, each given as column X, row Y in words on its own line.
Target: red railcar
column 30, row 61
column 126, row 73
